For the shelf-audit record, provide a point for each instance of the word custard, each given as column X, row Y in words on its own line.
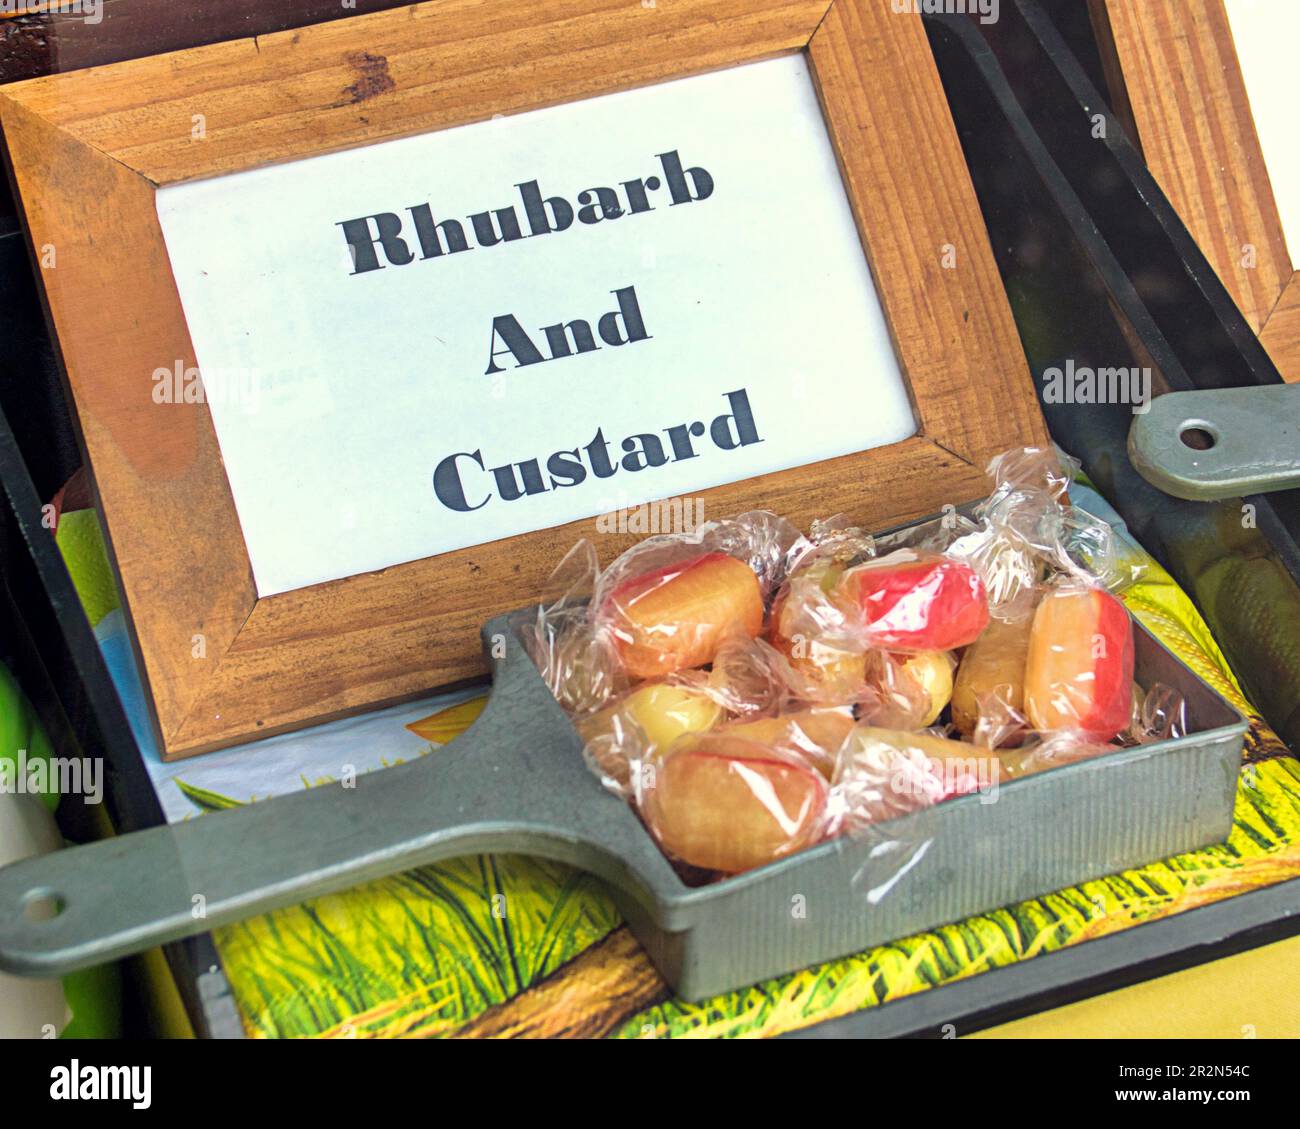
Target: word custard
column 464, row 481
column 400, row 242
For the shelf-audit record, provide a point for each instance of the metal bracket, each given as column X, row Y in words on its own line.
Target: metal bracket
column 1221, row 443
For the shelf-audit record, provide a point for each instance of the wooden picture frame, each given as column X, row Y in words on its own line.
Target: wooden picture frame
column 1176, row 83
column 90, row 149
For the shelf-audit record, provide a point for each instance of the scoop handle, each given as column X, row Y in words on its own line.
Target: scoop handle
column 514, row 781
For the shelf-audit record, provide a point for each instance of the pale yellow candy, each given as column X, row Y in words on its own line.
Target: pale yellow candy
column 991, row 677
column 665, row 713
column 661, row 711
column 932, row 671
column 910, row 691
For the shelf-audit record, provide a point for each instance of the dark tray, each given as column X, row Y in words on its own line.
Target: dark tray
column 1141, row 294
column 1029, row 206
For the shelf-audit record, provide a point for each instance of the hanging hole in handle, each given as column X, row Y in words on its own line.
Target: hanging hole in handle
column 42, row 905
column 1198, row 435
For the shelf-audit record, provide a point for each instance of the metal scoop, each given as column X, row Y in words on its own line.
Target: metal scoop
column 516, row 781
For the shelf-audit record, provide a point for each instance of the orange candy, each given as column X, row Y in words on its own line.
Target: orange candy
column 992, row 671
column 1079, row 672
column 814, row 734
column 726, row 803
column 676, row 617
column 828, row 673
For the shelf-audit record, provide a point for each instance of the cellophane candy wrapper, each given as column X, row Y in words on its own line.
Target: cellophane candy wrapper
column 906, row 691
column 1026, row 534
column 1058, row 657
column 810, row 627
column 669, row 602
column 1079, row 665
column 655, row 647
column 753, row 691
column 910, row 602
column 729, row 804
column 574, row 654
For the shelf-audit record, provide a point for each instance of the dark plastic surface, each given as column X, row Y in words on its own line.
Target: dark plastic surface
column 1102, row 274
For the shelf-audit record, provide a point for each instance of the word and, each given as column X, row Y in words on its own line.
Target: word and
column 565, row 339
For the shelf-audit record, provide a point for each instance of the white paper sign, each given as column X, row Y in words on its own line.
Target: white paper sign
column 1265, row 33
column 441, row 341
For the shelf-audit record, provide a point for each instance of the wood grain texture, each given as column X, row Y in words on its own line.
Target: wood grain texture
column 591, row 997
column 48, row 39
column 903, row 165
column 90, row 147
column 1173, row 67
column 176, row 541
column 296, row 93
column 1281, row 336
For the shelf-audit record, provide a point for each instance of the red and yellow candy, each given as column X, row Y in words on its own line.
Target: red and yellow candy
column 916, row 602
column 675, row 617
column 1079, row 669
column 727, row 803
